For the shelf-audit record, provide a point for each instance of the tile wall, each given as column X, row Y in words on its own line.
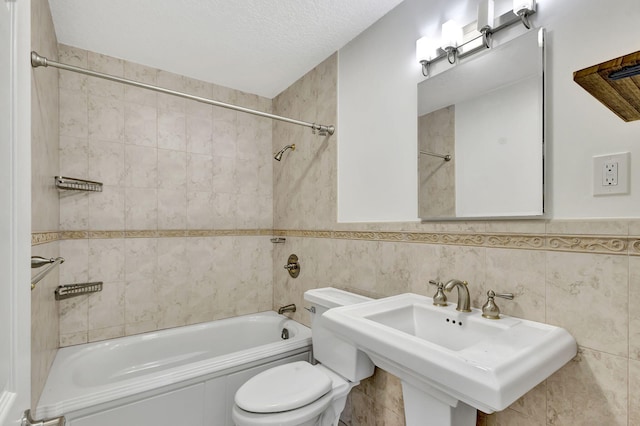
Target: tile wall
column 436, row 177
column 180, row 233
column 581, row 275
column 44, row 196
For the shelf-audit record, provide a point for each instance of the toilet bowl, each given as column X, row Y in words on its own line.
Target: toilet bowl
column 302, row 394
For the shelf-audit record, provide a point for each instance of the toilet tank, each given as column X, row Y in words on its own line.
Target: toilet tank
column 333, row 352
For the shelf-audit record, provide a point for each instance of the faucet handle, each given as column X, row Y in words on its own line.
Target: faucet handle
column 490, row 309
column 439, row 299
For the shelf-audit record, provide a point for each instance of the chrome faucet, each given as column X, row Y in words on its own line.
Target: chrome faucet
column 287, row 308
column 463, row 294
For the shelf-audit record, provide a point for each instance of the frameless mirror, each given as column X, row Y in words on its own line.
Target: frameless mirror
column 487, row 113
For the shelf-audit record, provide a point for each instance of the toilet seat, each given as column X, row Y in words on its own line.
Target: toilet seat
column 295, row 417
column 283, row 388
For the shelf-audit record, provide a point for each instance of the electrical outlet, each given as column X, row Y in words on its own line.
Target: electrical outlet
column 611, row 174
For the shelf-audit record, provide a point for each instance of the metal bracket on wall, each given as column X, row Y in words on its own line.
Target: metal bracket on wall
column 72, row 290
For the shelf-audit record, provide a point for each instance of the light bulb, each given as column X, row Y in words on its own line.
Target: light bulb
column 451, row 35
column 485, row 15
column 523, row 6
column 426, row 49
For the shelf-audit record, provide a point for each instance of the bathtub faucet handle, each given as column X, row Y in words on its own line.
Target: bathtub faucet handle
column 293, row 266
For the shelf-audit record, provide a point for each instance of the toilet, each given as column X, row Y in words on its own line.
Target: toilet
column 302, row 394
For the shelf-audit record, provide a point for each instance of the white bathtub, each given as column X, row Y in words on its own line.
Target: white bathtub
column 181, row 376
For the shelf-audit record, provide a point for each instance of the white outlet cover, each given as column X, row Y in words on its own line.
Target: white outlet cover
column 599, row 186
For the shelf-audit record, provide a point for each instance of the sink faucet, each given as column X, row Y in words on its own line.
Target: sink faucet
column 463, row 294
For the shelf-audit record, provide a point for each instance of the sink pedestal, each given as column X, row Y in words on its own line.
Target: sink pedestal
column 423, row 409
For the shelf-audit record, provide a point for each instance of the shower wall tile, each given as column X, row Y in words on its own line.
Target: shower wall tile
column 107, row 65
column 106, row 163
column 169, row 164
column 104, row 334
column 75, row 161
column 172, row 170
column 140, row 124
column 156, row 283
column 73, row 113
column 141, row 167
column 224, row 136
column 141, row 209
column 106, row 260
column 172, row 130
column 106, row 308
column 105, row 118
column 199, row 133
column 199, row 172
column 77, row 57
column 107, row 209
column 142, row 74
column 172, row 209
column 74, row 211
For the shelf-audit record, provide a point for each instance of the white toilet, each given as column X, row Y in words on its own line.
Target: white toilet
column 301, row 394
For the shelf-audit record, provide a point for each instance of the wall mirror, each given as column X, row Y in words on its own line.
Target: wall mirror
column 487, row 113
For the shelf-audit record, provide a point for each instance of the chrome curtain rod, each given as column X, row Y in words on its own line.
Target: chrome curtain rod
column 41, row 61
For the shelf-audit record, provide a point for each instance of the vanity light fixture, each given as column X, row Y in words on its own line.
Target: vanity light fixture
column 451, row 39
column 452, row 47
column 485, row 20
column 524, row 8
column 426, row 50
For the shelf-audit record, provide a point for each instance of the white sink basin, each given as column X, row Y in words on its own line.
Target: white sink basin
column 454, row 356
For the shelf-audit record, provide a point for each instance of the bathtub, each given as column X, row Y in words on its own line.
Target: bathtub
column 181, row 376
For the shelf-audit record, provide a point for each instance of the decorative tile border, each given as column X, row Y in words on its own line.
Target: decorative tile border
column 556, row 242
column 44, row 237
column 571, row 243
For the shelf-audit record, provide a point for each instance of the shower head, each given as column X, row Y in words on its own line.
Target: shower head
column 278, row 155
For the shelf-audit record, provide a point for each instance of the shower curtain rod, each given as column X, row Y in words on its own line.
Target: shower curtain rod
column 41, row 61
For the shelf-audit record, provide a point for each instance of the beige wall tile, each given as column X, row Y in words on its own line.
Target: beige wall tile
column 141, row 208
column 140, row 124
column 105, row 118
column 599, row 282
column 72, row 339
column 107, row 209
column 588, row 227
column 510, row 417
column 105, row 333
column 634, row 396
column 106, row 309
column 521, row 272
column 73, row 114
column 590, row 390
column 634, row 307
column 46, row 162
column 106, row 260
column 106, row 163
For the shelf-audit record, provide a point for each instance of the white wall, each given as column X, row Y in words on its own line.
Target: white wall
column 377, row 77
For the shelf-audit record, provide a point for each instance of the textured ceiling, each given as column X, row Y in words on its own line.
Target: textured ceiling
column 257, row 46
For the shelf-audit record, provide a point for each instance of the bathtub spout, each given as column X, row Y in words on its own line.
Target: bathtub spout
column 287, row 308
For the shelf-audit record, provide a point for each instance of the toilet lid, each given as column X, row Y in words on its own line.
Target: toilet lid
column 283, row 388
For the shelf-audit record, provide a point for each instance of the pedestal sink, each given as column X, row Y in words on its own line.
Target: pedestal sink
column 452, row 363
